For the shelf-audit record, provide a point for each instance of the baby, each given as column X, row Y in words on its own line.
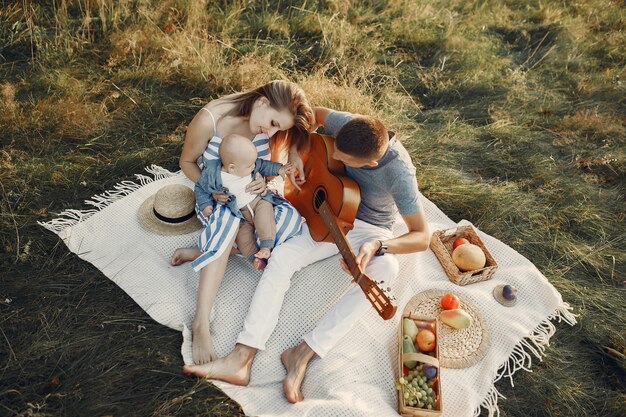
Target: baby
column 235, row 168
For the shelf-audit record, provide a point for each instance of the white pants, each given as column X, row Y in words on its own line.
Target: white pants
column 295, row 254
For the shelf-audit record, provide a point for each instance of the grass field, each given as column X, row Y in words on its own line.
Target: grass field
column 514, row 113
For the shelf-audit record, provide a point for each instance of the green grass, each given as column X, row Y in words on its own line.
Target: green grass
column 513, row 111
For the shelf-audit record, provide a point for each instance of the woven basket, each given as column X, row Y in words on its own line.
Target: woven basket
column 431, row 324
column 441, row 244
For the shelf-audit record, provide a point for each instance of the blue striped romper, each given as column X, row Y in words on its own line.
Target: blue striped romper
column 222, row 225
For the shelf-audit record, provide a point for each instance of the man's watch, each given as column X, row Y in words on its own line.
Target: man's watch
column 382, row 249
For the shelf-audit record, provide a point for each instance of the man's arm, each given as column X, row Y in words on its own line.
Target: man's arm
column 405, row 193
column 417, row 239
column 320, row 115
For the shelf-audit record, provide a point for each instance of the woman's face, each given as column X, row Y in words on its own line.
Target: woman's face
column 266, row 119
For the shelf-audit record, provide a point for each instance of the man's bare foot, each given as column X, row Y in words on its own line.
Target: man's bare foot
column 182, row 255
column 234, row 368
column 202, row 344
column 295, row 361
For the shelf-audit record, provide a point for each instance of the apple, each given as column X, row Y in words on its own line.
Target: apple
column 405, row 370
column 460, row 241
column 449, row 301
column 425, row 340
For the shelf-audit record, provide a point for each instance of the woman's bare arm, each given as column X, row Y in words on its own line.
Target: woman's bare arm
column 199, row 132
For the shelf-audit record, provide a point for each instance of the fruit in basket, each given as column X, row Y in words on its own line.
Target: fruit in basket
column 457, row 318
column 416, row 390
column 509, row 292
column 409, row 328
column 469, row 257
column 426, row 340
column 449, row 301
column 430, row 371
column 458, row 242
column 407, row 347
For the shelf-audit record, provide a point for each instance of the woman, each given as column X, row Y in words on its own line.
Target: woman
column 256, row 114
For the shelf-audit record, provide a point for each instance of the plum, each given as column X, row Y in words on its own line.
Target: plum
column 509, row 292
column 430, row 371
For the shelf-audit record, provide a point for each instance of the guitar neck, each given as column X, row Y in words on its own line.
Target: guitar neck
column 373, row 293
column 340, row 240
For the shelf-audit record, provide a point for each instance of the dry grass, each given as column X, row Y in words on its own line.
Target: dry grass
column 513, row 112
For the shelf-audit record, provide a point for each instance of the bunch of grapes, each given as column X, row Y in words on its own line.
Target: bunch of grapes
column 417, row 389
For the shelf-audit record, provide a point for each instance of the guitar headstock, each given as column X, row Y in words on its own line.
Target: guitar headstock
column 379, row 300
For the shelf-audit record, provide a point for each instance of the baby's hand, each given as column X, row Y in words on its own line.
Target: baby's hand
column 287, row 169
column 207, row 211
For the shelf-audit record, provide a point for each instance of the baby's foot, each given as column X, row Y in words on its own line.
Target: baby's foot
column 260, row 258
column 259, row 264
column 182, row 255
column 263, row 253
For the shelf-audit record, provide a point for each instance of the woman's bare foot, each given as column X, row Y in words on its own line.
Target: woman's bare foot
column 182, row 255
column 295, row 361
column 202, row 344
column 234, row 368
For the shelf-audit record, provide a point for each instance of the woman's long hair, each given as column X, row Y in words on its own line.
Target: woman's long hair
column 281, row 95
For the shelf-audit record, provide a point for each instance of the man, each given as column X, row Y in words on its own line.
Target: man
column 382, row 168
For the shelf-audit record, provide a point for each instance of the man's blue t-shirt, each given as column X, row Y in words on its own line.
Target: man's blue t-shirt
column 386, row 189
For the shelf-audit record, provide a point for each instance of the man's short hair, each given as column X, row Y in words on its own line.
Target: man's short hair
column 362, row 137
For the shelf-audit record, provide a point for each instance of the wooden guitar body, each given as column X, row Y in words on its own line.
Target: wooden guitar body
column 325, row 181
column 329, row 201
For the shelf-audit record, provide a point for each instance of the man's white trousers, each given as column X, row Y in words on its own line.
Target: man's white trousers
column 295, row 254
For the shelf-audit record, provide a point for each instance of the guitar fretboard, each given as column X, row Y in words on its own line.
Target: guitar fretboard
column 374, row 294
column 340, row 240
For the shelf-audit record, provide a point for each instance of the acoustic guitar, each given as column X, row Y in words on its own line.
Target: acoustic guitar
column 329, row 201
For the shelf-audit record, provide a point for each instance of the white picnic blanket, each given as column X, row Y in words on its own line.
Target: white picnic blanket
column 357, row 376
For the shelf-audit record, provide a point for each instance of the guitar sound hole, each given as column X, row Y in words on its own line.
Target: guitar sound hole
column 318, row 198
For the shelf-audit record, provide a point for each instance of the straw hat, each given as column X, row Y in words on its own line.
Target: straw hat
column 497, row 294
column 171, row 211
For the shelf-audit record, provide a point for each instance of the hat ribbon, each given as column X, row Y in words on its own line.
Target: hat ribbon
column 173, row 219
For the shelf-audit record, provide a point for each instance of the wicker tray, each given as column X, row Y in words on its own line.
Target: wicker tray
column 457, row 348
column 431, row 324
column 441, row 244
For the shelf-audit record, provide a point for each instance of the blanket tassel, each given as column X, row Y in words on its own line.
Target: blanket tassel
column 521, row 357
column 72, row 217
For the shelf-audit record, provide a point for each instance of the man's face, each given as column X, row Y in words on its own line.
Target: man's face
column 353, row 161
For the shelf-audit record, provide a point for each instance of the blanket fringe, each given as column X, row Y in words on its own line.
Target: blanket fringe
column 69, row 218
column 521, row 357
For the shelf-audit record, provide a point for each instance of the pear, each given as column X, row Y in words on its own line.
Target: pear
column 408, row 347
column 409, row 328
